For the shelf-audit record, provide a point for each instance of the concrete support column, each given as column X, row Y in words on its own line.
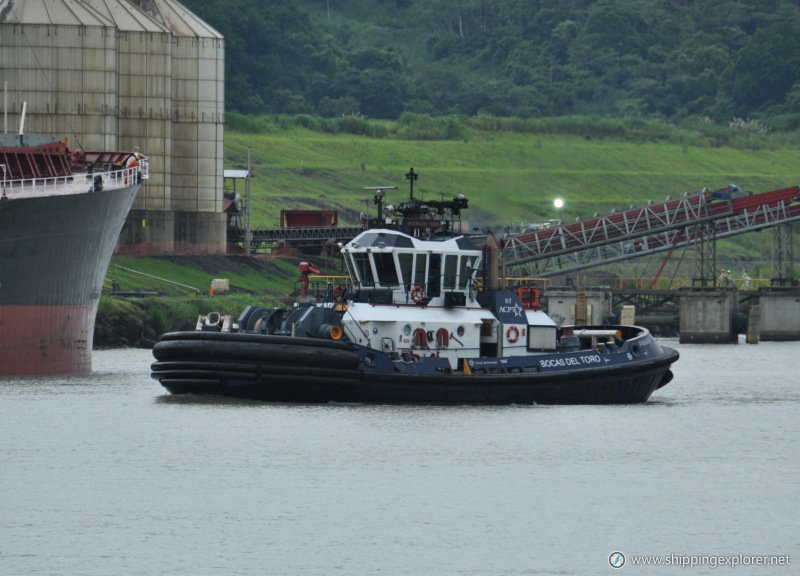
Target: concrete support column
column 154, row 232
column 780, row 314
column 707, row 315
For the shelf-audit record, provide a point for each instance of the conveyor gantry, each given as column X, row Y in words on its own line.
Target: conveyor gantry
column 653, row 228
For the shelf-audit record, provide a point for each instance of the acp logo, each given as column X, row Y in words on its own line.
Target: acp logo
column 616, row 559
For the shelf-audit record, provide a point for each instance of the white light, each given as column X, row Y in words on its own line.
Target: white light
column 558, row 203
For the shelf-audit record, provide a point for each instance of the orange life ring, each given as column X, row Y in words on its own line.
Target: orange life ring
column 417, row 294
column 338, row 293
column 529, row 297
column 512, row 334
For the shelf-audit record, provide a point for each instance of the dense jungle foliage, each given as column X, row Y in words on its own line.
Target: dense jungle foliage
column 670, row 59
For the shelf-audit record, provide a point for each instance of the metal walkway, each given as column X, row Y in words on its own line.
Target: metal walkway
column 264, row 238
column 654, row 228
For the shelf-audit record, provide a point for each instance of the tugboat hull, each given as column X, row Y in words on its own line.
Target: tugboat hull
column 305, row 370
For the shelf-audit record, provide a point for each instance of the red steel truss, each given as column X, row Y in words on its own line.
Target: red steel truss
column 654, row 228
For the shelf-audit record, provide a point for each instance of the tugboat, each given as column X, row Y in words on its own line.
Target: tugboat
column 423, row 320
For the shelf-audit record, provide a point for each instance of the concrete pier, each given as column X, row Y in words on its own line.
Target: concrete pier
column 707, row 315
column 697, row 314
column 753, row 324
column 562, row 306
column 780, row 314
column 627, row 315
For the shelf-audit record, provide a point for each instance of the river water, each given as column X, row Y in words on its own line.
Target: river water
column 107, row 474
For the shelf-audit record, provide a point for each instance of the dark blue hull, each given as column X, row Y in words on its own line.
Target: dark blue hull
column 304, row 370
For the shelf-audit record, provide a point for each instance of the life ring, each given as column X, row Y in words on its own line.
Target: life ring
column 338, row 293
column 417, row 294
column 529, row 297
column 512, row 334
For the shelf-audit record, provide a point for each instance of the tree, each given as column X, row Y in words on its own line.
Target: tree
column 766, row 69
column 381, row 94
column 668, row 58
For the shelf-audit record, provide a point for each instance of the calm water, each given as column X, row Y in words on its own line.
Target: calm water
column 107, row 474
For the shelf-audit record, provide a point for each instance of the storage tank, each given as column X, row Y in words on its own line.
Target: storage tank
column 59, row 58
column 144, row 119
column 198, row 64
column 113, row 74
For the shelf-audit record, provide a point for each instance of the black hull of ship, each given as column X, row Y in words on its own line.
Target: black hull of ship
column 303, row 370
column 54, row 254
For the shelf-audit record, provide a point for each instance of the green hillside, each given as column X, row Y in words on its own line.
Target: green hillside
column 669, row 59
column 509, row 177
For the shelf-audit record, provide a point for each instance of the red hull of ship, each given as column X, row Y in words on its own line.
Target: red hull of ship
column 46, row 339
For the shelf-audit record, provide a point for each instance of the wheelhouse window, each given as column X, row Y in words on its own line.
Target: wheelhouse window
column 349, row 265
column 362, row 268
column 420, row 264
column 450, row 268
column 385, row 267
column 469, row 264
column 406, row 267
column 434, row 281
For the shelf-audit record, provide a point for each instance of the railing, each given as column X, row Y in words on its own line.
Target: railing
column 325, row 288
column 320, row 283
column 165, row 280
column 80, row 183
column 668, row 284
column 512, row 282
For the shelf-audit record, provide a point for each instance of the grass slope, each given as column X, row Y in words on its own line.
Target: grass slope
column 508, row 177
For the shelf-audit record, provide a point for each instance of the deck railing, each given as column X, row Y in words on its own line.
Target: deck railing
column 80, row 183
